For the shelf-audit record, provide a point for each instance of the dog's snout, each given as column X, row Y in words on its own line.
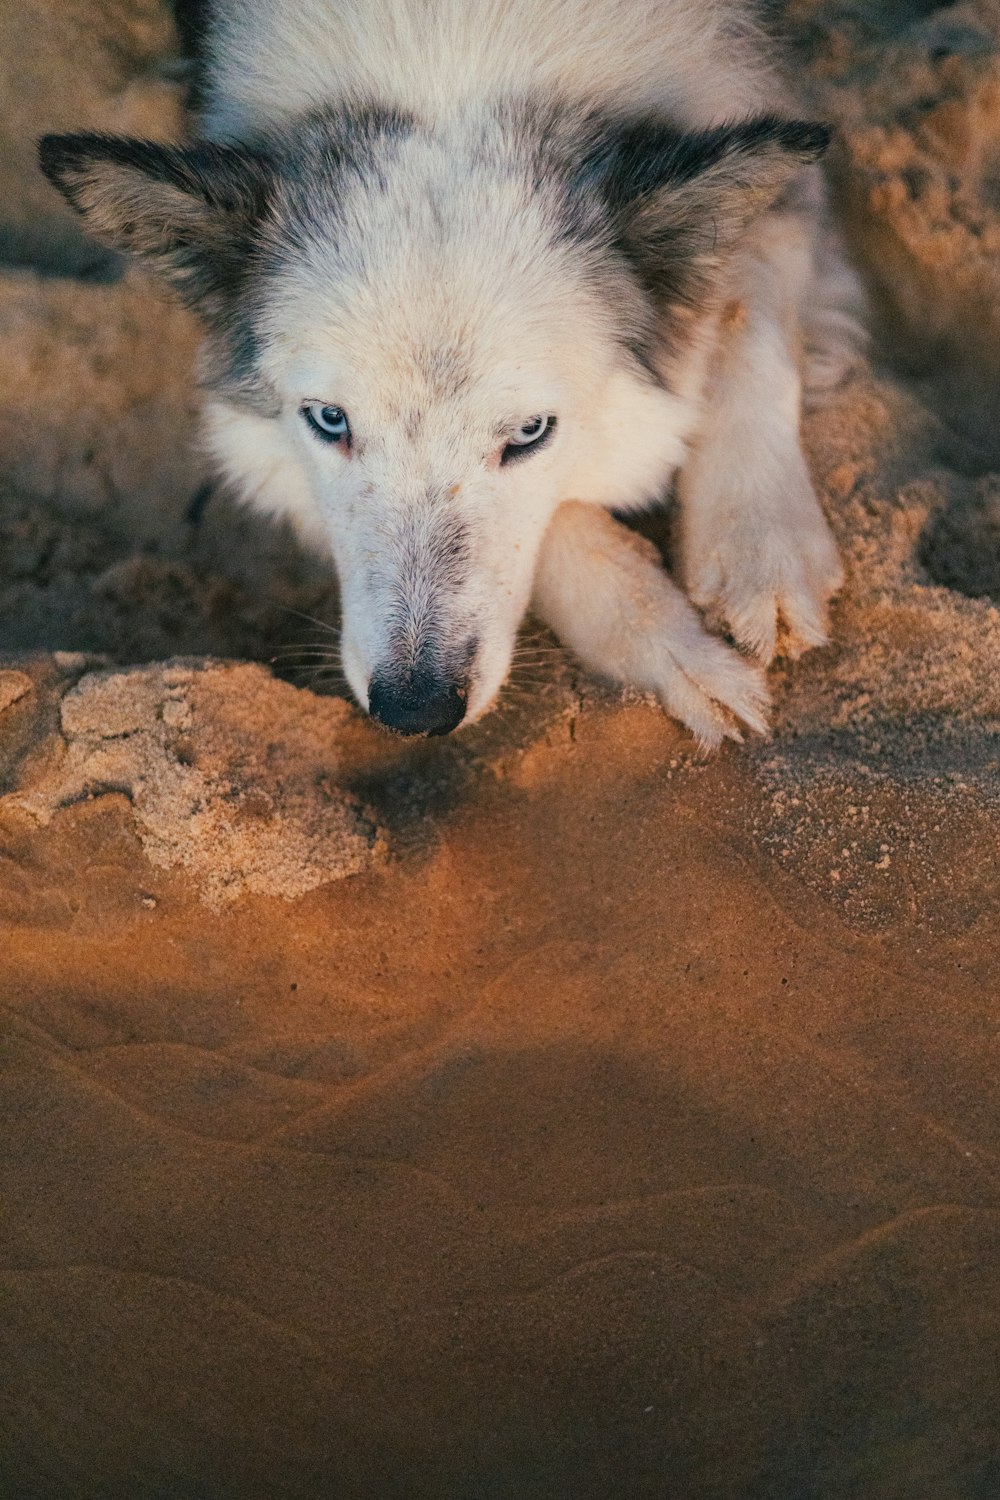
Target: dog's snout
column 420, row 703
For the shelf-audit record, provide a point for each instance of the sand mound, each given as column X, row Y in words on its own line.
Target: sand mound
column 229, row 775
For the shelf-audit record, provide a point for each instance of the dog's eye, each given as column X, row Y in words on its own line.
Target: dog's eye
column 328, row 422
column 528, row 437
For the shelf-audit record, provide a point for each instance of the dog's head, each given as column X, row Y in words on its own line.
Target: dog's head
column 451, row 331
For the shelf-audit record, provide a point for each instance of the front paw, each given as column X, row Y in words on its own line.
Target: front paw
column 603, row 590
column 765, row 574
column 709, row 687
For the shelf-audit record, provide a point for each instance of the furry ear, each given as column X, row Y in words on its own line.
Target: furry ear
column 680, row 202
column 188, row 211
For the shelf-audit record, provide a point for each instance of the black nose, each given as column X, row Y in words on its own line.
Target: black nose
column 421, row 703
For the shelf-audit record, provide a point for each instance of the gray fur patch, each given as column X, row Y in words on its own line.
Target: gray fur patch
column 216, row 220
column 652, row 212
column 668, row 206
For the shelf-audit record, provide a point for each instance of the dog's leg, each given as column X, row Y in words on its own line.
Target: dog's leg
column 757, row 554
column 605, row 593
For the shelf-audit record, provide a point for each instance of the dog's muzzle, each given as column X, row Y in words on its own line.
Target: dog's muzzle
column 420, row 702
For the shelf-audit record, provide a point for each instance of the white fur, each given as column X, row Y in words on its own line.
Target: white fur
column 699, row 61
column 757, row 553
column 603, row 590
column 447, row 256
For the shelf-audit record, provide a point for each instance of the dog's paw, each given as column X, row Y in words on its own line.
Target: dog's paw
column 710, row 688
column 603, row 590
column 766, row 574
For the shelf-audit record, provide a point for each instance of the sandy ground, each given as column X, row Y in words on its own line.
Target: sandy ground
column 540, row 1113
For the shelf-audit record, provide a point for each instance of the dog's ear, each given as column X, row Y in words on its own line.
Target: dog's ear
column 680, row 202
column 188, row 211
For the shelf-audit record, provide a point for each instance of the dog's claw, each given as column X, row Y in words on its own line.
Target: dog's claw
column 767, row 580
column 712, row 691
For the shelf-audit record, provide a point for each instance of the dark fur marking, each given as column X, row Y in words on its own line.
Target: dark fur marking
column 216, row 220
column 680, row 201
column 670, row 205
column 198, row 503
column 194, row 214
column 653, row 209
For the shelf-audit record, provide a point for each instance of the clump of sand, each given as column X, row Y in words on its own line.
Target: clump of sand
column 13, row 687
column 231, row 775
column 914, row 89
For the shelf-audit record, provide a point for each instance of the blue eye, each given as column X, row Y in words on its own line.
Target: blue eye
column 530, row 436
column 328, row 422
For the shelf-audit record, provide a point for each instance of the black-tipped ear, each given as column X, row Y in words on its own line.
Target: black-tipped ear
column 189, row 211
column 680, row 202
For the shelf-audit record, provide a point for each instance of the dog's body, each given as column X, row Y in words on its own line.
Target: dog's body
column 476, row 275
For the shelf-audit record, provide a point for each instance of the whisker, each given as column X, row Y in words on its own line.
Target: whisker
column 328, row 664
column 323, row 625
column 315, row 680
column 541, row 649
column 308, row 655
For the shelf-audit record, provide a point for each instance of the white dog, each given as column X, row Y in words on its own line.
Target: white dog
column 476, row 273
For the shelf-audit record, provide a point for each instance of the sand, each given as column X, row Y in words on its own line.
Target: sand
column 542, row 1112
column 229, row 775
